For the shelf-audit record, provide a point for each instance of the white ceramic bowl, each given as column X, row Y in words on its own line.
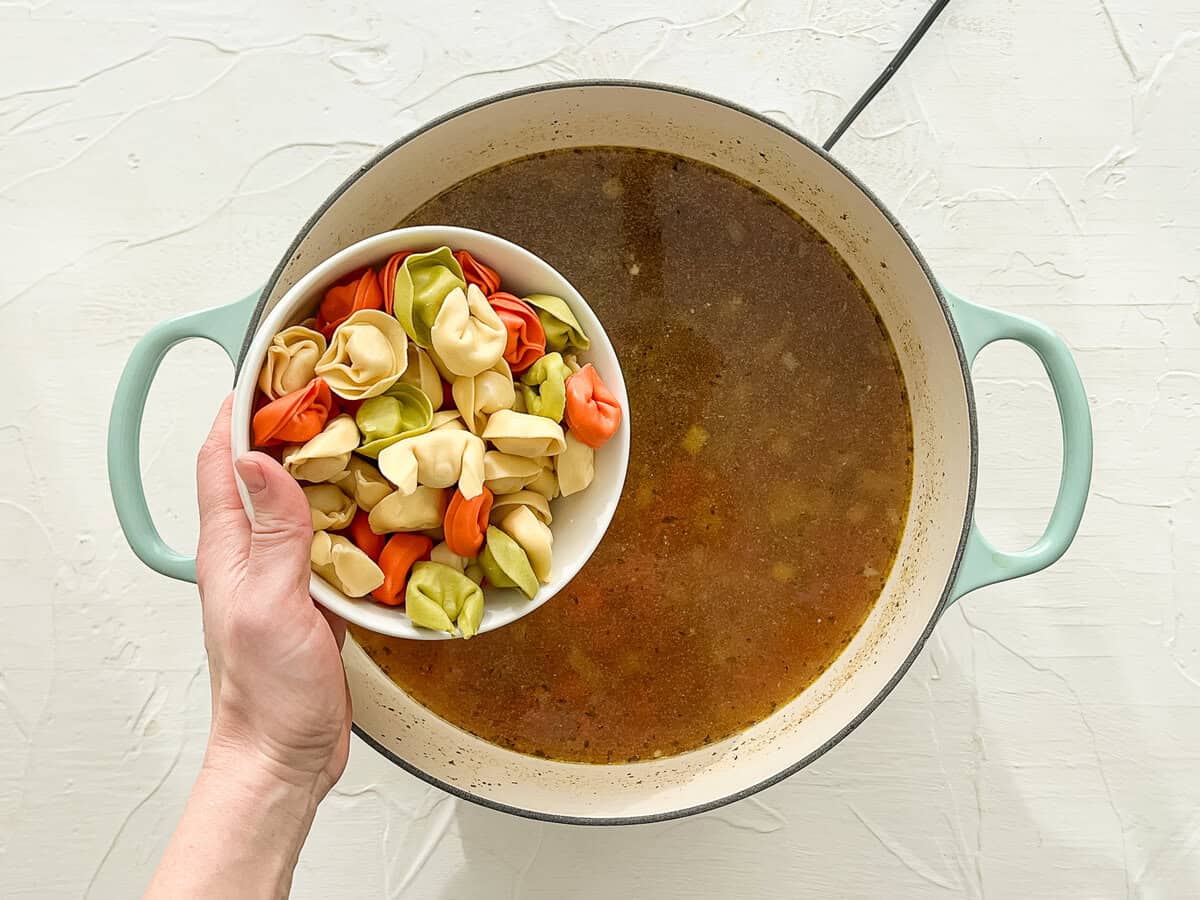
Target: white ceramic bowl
column 579, row 520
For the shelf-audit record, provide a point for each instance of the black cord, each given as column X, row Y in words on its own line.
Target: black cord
column 886, row 75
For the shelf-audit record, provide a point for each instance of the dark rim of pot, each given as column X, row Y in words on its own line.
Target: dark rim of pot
column 962, row 359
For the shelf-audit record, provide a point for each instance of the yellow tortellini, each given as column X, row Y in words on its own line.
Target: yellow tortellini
column 505, row 564
column 478, row 396
column 326, row 456
column 422, row 509
column 575, row 466
column 468, row 335
column 439, row 597
column 423, row 375
column 404, row 411
column 363, row 482
column 447, row 419
column 522, row 434
column 330, row 507
column 546, row 482
column 343, row 565
column 436, row 459
column 537, row 503
column 504, row 473
column 544, row 387
column 563, row 330
column 368, row 354
column 533, row 536
column 422, row 283
column 291, row 361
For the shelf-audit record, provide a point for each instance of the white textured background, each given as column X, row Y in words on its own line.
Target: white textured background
column 158, row 157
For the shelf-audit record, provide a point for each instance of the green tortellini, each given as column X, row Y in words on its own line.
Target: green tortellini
column 563, row 330
column 422, row 282
column 439, row 597
column 402, row 412
column 544, row 386
column 505, row 564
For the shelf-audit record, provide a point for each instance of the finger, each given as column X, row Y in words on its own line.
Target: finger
column 216, row 489
column 336, row 624
column 280, row 529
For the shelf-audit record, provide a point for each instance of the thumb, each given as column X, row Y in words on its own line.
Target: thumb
column 281, row 528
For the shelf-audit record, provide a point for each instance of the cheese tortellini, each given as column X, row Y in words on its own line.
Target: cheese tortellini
column 291, row 361
column 522, row 434
column 423, row 281
column 468, row 335
column 326, row 456
column 431, row 417
column 504, row 473
column 533, row 536
column 418, row 510
column 367, row 355
column 544, row 387
column 404, row 411
column 575, row 466
column 363, row 482
column 343, row 565
column 330, row 508
column 478, row 396
column 436, row 459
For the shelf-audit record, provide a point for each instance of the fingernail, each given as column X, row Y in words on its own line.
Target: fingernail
column 252, row 475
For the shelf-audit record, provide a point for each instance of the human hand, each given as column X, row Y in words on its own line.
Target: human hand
column 279, row 695
column 280, row 705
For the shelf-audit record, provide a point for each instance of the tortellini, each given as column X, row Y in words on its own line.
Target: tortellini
column 546, row 482
column 537, row 503
column 422, row 283
column 505, row 564
column 544, row 387
column 504, row 473
column 440, row 598
column 416, row 511
column 330, row 507
column 343, row 565
column 533, row 536
column 467, row 335
column 294, row 417
column 431, row 417
column 423, row 374
column 367, row 355
column 402, row 412
column 563, row 330
column 575, row 466
column 364, row 483
column 522, row 434
column 326, row 456
column 436, row 459
column 291, row 361
column 478, row 396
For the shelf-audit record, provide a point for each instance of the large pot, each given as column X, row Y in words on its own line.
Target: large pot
column 942, row 555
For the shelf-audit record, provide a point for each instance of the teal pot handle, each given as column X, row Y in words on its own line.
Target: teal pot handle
column 982, row 564
column 224, row 325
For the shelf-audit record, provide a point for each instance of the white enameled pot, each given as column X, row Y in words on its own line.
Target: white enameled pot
column 936, row 335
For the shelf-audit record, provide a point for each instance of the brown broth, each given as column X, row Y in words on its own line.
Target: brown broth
column 769, row 477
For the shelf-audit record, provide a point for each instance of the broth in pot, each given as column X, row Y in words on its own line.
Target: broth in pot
column 769, row 476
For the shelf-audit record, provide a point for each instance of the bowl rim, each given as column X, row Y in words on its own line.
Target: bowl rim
column 972, row 424
column 392, row 621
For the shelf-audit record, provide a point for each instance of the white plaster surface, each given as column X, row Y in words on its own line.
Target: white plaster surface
column 157, row 157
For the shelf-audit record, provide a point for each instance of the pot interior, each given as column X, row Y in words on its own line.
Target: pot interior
column 642, row 116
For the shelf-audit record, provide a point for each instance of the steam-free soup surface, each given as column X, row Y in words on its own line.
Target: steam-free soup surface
column 769, row 477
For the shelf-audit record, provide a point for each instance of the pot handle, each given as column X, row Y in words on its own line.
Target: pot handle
column 223, row 325
column 982, row 564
